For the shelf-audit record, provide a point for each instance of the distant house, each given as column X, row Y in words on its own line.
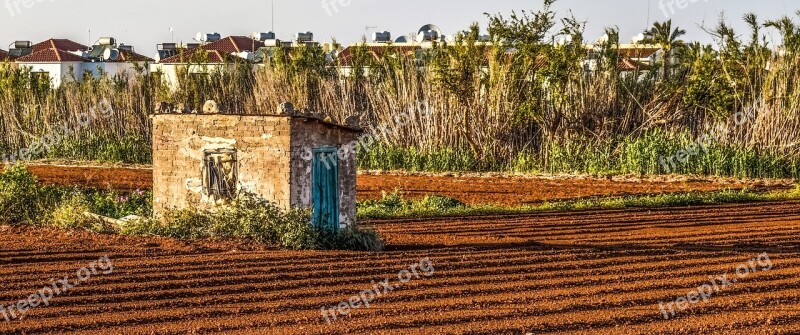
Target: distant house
column 634, row 59
column 55, row 59
column 112, row 59
column 63, row 59
column 346, row 59
column 642, row 54
column 208, row 58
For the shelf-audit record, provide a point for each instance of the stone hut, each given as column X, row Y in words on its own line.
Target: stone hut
column 295, row 161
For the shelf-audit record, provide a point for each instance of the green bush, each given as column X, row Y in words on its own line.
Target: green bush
column 22, row 200
column 439, row 203
column 71, row 215
column 19, row 196
column 256, row 219
column 394, row 204
column 117, row 204
column 358, row 238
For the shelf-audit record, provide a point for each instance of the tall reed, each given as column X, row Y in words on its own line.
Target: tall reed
column 519, row 103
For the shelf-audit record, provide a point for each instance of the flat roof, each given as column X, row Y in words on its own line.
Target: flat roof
column 304, row 118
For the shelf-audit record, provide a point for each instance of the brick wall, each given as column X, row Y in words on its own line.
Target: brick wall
column 263, row 155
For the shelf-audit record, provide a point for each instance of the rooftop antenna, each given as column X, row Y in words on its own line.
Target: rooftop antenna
column 172, row 33
column 366, row 30
column 273, row 15
column 646, row 32
column 89, row 31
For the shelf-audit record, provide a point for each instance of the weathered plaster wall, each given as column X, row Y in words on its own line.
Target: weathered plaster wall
column 307, row 135
column 262, row 144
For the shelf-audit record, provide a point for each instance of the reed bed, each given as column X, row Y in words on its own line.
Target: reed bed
column 476, row 106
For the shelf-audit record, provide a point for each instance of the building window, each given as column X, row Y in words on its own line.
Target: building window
column 220, row 173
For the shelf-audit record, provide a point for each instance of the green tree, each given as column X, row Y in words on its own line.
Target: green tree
column 667, row 39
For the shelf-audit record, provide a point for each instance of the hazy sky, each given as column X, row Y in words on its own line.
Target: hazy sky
column 144, row 23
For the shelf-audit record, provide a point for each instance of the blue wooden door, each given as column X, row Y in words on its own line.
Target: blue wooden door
column 325, row 188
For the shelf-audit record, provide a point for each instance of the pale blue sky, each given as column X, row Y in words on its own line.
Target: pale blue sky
column 144, row 23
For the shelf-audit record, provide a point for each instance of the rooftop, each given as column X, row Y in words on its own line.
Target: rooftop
column 218, row 51
column 130, row 56
column 304, row 118
column 59, row 44
column 51, row 56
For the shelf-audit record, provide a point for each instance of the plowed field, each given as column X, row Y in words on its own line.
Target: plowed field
column 590, row 272
column 470, row 189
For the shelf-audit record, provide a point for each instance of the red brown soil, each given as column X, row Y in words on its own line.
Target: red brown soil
column 518, row 190
column 470, row 189
column 101, row 177
column 583, row 273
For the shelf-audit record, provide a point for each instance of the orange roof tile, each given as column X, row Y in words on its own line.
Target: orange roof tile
column 50, row 56
column 130, row 56
column 218, row 51
column 59, row 44
column 626, row 64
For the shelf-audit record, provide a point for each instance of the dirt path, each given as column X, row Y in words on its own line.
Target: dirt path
column 496, row 190
column 591, row 272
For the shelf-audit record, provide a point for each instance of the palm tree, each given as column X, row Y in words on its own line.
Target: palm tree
column 667, row 39
column 789, row 30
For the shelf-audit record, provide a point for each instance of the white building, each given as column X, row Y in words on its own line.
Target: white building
column 207, row 58
column 62, row 60
column 54, row 59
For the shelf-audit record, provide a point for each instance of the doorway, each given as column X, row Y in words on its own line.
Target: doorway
column 325, row 188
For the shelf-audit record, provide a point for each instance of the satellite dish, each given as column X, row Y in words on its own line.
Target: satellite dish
column 430, row 27
column 429, row 32
column 207, row 38
column 402, row 39
column 110, row 54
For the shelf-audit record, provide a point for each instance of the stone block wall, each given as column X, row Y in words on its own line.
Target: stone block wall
column 179, row 140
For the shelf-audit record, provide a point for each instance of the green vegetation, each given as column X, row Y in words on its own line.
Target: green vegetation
column 472, row 106
column 23, row 201
column 396, row 206
column 629, row 156
column 251, row 218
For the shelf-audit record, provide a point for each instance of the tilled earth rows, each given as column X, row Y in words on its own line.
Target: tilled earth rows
column 470, row 189
column 589, row 272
